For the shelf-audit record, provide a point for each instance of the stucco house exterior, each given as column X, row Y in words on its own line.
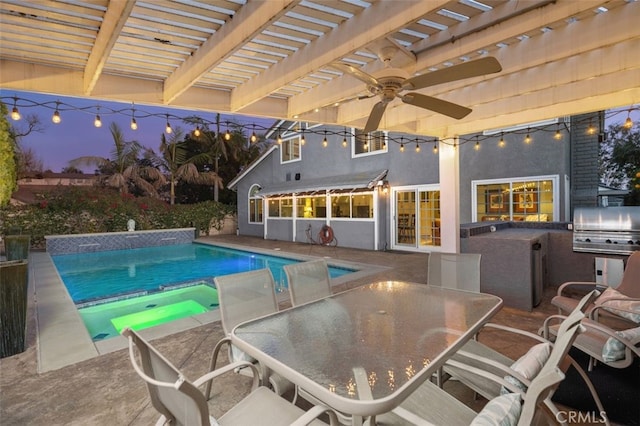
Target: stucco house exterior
column 386, row 191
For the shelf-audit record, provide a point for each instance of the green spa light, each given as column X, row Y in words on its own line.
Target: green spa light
column 160, row 315
column 108, row 319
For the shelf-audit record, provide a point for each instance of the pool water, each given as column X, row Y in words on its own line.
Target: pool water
column 101, row 275
column 149, row 286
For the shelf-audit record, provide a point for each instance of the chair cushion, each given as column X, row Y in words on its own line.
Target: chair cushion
column 613, row 349
column 528, row 365
column 503, row 410
column 630, row 308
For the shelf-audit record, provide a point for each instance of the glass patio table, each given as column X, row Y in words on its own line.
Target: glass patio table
column 363, row 351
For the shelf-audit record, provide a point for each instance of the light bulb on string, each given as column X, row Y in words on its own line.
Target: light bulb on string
column 254, row 137
column 591, row 129
column 417, row 146
column 279, row 139
column 477, row 147
column 628, row 123
column 527, row 139
column 134, row 123
column 324, row 141
column 227, row 134
column 302, row 140
column 558, row 135
column 196, row 132
column 401, row 144
column 344, row 139
column 168, row 129
column 97, row 122
column 435, row 146
column 15, row 114
column 55, row 118
column 501, row 142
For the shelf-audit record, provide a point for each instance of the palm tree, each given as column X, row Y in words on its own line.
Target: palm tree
column 178, row 162
column 124, row 169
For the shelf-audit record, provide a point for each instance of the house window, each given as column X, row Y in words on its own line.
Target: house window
column 280, row 207
column 368, row 143
column 311, row 207
column 530, row 199
column 255, row 205
column 290, row 150
column 355, row 205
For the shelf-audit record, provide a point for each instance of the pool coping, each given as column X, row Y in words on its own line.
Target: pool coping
column 63, row 339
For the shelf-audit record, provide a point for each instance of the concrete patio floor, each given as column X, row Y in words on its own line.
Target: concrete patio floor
column 105, row 390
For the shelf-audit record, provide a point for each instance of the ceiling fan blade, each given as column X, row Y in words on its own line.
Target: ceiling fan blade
column 436, row 105
column 357, row 73
column 469, row 69
column 374, row 118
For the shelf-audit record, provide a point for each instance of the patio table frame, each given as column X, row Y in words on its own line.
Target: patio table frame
column 364, row 350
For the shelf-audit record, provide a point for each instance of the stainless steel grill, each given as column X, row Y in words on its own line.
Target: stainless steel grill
column 613, row 230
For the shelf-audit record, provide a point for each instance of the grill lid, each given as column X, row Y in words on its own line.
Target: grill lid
column 606, row 229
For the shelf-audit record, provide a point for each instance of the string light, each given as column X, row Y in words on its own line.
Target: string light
column 401, row 144
column 15, row 114
column 97, row 122
column 628, row 123
column 134, row 123
column 417, row 146
column 254, row 137
column 477, row 146
column 302, row 140
column 197, row 132
column 279, row 139
column 135, row 114
column 168, row 129
column 501, row 142
column 56, row 115
column 324, row 141
column 435, row 146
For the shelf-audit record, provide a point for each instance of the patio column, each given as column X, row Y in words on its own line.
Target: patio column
column 449, row 162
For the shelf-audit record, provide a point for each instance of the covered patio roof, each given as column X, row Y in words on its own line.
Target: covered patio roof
column 350, row 182
column 272, row 58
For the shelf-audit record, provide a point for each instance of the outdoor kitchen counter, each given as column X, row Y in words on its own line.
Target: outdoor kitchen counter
column 513, row 264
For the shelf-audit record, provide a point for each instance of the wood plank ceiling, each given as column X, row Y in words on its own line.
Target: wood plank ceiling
column 272, row 58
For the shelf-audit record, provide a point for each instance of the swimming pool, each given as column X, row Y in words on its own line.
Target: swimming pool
column 149, row 286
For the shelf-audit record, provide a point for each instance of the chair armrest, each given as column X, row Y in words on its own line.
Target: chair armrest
column 505, row 369
column 487, row 375
column 314, row 413
column 629, row 343
column 208, row 378
column 580, row 285
column 515, row 331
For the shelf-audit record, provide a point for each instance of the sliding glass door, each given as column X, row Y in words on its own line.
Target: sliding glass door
column 416, row 215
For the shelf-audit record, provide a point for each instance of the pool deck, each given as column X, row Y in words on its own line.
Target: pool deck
column 64, row 379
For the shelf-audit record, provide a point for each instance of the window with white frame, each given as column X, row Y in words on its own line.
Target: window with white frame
column 531, row 199
column 290, row 149
column 280, row 207
column 255, row 205
column 357, row 205
column 367, row 143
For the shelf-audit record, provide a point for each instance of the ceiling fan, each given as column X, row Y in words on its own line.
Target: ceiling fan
column 389, row 82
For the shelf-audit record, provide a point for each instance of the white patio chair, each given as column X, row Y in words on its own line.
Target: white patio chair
column 454, row 270
column 620, row 306
column 308, row 281
column 614, row 348
column 430, row 404
column 245, row 296
column 180, row 402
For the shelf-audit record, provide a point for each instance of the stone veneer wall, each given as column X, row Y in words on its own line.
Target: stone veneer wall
column 84, row 243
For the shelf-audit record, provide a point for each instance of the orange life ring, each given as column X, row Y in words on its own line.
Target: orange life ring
column 326, row 234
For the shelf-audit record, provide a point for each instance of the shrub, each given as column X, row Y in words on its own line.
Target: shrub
column 81, row 210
